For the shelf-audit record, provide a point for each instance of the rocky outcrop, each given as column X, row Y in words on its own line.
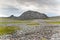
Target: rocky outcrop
column 32, row 15
column 12, row 16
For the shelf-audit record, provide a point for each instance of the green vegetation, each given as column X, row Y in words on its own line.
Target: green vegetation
column 43, row 38
column 33, row 24
column 46, row 18
column 8, row 29
column 17, row 22
column 12, row 21
column 54, row 22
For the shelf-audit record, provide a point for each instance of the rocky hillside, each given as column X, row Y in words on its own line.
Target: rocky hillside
column 32, row 15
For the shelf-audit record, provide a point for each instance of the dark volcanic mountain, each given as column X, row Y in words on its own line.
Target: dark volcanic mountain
column 12, row 16
column 32, row 15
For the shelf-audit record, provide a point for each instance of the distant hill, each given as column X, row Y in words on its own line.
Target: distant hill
column 55, row 17
column 32, row 15
column 12, row 16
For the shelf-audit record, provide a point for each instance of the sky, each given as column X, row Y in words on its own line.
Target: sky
column 17, row 7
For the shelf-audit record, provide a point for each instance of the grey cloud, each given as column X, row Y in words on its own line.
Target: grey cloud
column 42, row 5
column 10, row 10
column 16, row 6
column 39, row 2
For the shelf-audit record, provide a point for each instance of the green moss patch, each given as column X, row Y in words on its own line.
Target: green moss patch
column 8, row 29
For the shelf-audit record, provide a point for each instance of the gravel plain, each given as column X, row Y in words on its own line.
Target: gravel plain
column 43, row 31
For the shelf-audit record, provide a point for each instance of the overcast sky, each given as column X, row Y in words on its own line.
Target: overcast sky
column 16, row 7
